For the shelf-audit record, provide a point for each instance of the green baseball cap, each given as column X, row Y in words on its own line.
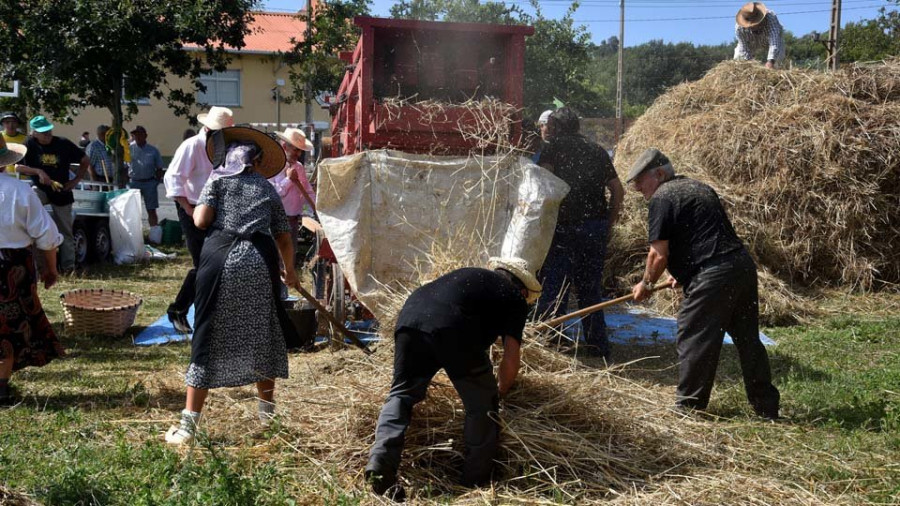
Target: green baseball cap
column 40, row 124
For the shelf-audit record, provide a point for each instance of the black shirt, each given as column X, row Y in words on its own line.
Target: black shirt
column 478, row 305
column 689, row 215
column 586, row 167
column 54, row 159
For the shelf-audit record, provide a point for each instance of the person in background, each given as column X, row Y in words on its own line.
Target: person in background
column 11, row 134
column 242, row 326
column 578, row 250
column 146, row 172
column 293, row 187
column 691, row 236
column 101, row 164
column 26, row 336
column 47, row 162
column 184, row 180
column 85, row 140
column 188, row 134
column 757, row 28
column 542, row 127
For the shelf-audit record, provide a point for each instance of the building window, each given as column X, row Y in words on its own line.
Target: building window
column 222, row 88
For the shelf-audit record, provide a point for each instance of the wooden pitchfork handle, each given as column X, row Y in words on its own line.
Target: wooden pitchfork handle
column 597, row 307
column 340, row 326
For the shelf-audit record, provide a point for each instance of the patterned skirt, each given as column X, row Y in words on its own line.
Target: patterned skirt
column 23, row 322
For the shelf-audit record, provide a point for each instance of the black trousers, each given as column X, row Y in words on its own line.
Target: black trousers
column 418, row 356
column 194, row 238
column 721, row 298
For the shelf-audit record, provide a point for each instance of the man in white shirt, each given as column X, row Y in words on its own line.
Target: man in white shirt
column 184, row 180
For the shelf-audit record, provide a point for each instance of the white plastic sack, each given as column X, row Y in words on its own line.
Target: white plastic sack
column 125, row 227
column 385, row 212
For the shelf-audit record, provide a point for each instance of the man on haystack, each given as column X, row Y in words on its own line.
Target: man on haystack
column 756, row 29
column 451, row 323
column 691, row 235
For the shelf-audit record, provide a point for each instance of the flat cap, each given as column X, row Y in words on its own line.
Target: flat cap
column 652, row 158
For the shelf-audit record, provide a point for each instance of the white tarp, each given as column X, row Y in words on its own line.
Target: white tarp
column 387, row 215
column 125, row 227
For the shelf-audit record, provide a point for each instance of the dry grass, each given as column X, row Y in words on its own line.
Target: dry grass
column 9, row 497
column 807, row 163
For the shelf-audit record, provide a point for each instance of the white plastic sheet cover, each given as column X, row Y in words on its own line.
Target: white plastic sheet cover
column 386, row 214
column 125, row 227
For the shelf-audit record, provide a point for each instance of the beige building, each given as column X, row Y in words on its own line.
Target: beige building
column 246, row 88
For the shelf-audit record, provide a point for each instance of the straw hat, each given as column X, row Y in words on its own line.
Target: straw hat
column 273, row 158
column 751, row 14
column 518, row 267
column 295, row 137
column 217, row 118
column 10, row 153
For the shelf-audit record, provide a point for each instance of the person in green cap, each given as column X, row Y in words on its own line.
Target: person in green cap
column 692, row 237
column 47, row 162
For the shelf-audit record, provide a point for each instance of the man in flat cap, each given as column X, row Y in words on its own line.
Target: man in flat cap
column 692, row 237
column 757, row 28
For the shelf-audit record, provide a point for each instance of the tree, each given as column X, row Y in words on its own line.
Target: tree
column 314, row 61
column 76, row 53
column 866, row 41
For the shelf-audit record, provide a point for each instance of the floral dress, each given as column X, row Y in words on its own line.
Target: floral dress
column 245, row 342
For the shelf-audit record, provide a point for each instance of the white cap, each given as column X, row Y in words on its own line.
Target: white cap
column 545, row 116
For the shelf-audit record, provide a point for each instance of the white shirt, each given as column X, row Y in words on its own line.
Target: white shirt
column 294, row 202
column 23, row 220
column 189, row 169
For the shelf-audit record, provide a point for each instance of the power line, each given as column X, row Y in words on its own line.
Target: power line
column 705, row 18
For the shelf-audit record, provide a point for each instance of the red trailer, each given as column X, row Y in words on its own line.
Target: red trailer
column 400, row 62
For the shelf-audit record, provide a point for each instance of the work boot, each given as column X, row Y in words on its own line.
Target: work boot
column 385, row 484
column 179, row 322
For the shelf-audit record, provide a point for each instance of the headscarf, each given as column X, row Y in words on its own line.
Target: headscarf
column 239, row 158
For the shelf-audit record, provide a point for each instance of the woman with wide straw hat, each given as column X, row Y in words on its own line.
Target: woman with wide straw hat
column 241, row 326
column 26, row 337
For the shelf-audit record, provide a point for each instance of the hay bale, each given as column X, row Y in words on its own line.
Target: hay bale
column 807, row 164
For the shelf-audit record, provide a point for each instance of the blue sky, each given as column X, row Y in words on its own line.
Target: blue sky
column 697, row 21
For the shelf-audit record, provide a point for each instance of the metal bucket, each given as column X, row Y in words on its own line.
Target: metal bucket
column 303, row 316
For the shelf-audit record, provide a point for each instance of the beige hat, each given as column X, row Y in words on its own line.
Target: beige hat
column 518, row 267
column 751, row 14
column 295, row 137
column 10, row 153
column 217, row 118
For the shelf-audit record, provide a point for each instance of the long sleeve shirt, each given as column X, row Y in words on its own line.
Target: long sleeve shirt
column 23, row 220
column 294, row 202
column 768, row 34
column 189, row 169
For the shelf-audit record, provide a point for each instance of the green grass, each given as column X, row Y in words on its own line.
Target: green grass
column 89, row 430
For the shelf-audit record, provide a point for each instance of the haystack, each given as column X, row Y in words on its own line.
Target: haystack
column 807, row 164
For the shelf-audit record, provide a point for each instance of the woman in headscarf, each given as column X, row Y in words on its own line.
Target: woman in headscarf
column 241, row 325
column 26, row 337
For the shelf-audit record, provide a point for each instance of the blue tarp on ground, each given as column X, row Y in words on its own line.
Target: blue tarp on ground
column 627, row 325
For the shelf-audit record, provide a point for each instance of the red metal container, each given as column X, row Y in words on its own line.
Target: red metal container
column 416, row 61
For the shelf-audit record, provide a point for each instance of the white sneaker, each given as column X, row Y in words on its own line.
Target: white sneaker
column 178, row 436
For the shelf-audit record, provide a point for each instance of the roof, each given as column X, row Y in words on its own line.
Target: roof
column 272, row 31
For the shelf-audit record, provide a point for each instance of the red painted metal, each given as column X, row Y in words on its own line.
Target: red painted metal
column 423, row 60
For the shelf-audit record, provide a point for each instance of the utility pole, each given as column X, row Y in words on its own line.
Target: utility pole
column 309, row 114
column 834, row 34
column 620, row 71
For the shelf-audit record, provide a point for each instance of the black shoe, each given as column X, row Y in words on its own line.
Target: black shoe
column 386, row 486
column 768, row 415
column 179, row 321
column 8, row 401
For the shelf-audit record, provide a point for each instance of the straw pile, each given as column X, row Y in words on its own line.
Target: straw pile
column 9, row 497
column 807, row 163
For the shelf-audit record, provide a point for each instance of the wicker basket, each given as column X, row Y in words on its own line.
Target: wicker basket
column 99, row 312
